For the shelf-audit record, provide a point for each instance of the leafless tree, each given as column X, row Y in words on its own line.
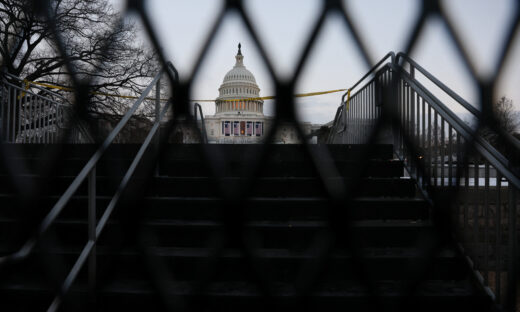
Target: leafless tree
column 508, row 121
column 102, row 47
column 507, row 116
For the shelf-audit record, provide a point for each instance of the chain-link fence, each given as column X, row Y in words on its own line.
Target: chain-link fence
column 339, row 195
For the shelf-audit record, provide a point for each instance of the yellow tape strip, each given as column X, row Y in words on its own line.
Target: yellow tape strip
column 69, row 89
column 48, row 85
column 274, row 97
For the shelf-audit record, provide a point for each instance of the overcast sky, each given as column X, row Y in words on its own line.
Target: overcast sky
column 335, row 62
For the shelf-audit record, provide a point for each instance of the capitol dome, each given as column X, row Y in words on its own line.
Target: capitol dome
column 239, row 93
column 239, row 73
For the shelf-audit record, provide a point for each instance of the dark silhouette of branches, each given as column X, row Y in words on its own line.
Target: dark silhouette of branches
column 103, row 49
column 508, row 121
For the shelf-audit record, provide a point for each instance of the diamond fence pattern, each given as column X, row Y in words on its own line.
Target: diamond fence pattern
column 340, row 195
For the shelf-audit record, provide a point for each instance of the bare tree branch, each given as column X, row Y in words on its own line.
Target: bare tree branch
column 103, row 49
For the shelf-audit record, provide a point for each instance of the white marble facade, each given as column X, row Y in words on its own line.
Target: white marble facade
column 239, row 113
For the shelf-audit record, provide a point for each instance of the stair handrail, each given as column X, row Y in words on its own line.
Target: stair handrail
column 204, row 135
column 19, row 98
column 333, row 127
column 86, row 172
column 374, row 68
column 89, row 171
column 88, row 251
column 494, row 157
column 428, row 177
column 51, row 97
column 424, row 168
column 342, row 107
column 402, row 58
column 30, row 84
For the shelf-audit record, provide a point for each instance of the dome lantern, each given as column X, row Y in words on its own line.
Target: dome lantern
column 239, row 57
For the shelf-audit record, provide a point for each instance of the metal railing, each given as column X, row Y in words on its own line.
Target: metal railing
column 197, row 110
column 448, row 156
column 451, row 162
column 356, row 116
column 95, row 228
column 32, row 114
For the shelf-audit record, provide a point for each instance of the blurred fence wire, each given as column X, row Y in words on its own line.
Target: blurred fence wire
column 449, row 179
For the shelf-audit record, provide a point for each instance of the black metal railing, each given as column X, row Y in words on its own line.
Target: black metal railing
column 446, row 156
column 357, row 115
column 33, row 114
column 95, row 225
column 484, row 186
column 361, row 109
column 197, row 110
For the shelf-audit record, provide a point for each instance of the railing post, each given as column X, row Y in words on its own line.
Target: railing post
column 92, row 236
column 3, row 100
column 204, row 137
column 344, row 126
column 7, row 115
column 513, row 261
column 158, row 100
column 158, row 121
column 395, row 115
column 412, row 103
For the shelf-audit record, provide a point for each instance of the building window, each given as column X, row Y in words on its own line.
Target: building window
column 236, row 128
column 226, row 126
column 259, row 129
column 249, row 128
column 242, row 128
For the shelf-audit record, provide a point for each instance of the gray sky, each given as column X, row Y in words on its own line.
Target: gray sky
column 335, row 62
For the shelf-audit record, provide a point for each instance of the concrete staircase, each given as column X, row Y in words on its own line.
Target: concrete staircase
column 284, row 222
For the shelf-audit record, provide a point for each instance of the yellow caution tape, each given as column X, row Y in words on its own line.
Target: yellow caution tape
column 69, row 89
column 274, row 97
column 47, row 86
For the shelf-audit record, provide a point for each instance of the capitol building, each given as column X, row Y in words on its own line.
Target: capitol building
column 239, row 112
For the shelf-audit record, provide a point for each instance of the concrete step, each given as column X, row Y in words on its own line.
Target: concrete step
column 431, row 295
column 278, row 265
column 197, row 168
column 279, row 187
column 296, row 235
column 203, row 186
column 228, row 152
column 345, row 168
column 256, row 208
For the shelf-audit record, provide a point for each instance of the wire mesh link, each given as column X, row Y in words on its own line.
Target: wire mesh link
column 478, row 218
